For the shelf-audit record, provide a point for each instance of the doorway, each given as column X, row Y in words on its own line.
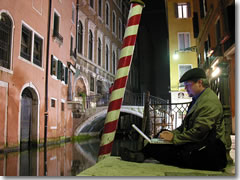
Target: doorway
column 29, row 119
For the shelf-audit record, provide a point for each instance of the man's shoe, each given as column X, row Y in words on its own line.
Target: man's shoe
column 128, row 155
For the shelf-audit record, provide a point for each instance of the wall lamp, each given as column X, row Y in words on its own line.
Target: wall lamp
column 189, row 49
column 216, row 72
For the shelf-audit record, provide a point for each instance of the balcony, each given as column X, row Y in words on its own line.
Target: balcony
column 58, row 36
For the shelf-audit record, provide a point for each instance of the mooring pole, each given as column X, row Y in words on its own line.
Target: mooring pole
column 119, row 86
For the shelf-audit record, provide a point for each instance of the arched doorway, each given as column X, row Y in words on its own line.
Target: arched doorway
column 29, row 118
column 80, row 93
column 80, row 87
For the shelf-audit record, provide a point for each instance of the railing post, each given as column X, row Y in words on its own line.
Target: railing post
column 146, row 120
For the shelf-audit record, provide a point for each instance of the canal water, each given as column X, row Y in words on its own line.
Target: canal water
column 66, row 159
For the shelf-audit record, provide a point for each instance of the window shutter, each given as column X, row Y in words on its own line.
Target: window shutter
column 62, row 72
column 66, row 75
column 195, row 24
column 59, row 70
column 189, row 9
column 52, row 61
column 176, row 10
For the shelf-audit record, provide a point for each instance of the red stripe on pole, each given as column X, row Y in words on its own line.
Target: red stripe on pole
column 120, row 83
column 105, row 149
column 124, row 61
column 114, row 105
column 129, row 41
column 110, row 127
column 134, row 20
column 134, row 4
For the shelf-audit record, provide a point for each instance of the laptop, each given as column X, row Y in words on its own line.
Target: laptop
column 152, row 140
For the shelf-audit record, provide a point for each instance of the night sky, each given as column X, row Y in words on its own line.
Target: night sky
column 152, row 50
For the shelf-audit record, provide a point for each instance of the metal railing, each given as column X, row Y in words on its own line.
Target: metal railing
column 132, row 99
column 166, row 116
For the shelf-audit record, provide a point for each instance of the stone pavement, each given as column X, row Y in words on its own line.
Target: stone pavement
column 114, row 166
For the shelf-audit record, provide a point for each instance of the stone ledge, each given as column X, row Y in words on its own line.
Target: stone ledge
column 114, row 166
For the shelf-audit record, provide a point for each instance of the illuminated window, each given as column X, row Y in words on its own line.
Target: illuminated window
column 182, row 10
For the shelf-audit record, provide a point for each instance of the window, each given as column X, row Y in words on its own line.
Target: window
column 91, row 3
column 99, row 51
column 37, row 52
column 203, row 8
column 106, row 59
column 90, row 45
column 100, row 8
column 59, row 70
column 91, row 83
column 183, row 40
column 71, row 47
column 73, row 13
column 107, row 14
column 62, row 106
column 53, row 103
column 53, row 66
column 182, row 69
column 114, row 62
column 99, row 87
column 114, row 23
column 5, row 40
column 56, row 25
column 66, row 75
column 80, row 38
column 120, row 29
column 182, row 10
column 27, row 44
column 195, row 24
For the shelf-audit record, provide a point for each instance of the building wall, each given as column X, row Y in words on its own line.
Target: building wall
column 87, row 68
column 22, row 73
column 60, row 118
column 175, row 26
column 222, row 47
column 25, row 78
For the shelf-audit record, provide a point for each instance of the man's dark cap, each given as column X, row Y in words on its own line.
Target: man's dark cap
column 193, row 74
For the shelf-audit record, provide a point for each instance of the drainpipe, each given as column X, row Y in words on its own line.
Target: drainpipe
column 46, row 89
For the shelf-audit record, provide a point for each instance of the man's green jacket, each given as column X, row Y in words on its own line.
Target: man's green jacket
column 206, row 113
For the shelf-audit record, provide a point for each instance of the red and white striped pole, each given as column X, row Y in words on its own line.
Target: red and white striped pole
column 121, row 77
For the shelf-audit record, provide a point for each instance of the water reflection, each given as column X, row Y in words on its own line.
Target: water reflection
column 67, row 159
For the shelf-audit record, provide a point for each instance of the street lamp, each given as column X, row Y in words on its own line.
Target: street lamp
column 175, row 55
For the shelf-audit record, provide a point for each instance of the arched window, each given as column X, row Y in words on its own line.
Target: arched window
column 91, row 3
column 80, row 38
column 100, row 8
column 5, row 40
column 90, row 45
column 114, row 22
column 99, row 51
column 107, row 14
column 107, row 52
column 120, row 29
column 114, row 62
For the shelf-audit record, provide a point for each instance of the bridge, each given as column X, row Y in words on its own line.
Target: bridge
column 89, row 116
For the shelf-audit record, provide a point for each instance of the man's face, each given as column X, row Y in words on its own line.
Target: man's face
column 193, row 88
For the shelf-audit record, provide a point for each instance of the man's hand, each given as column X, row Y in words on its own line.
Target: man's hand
column 166, row 135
